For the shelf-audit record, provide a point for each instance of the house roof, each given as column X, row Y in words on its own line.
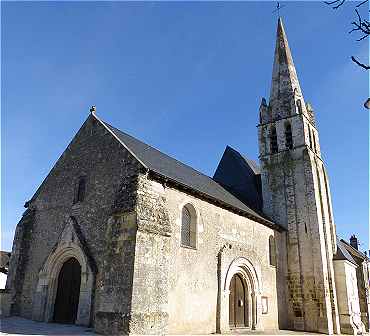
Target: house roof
column 342, row 253
column 181, row 174
column 354, row 252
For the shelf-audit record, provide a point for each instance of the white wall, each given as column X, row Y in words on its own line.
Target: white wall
column 347, row 294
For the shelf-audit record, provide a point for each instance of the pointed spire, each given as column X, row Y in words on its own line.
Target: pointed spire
column 285, row 89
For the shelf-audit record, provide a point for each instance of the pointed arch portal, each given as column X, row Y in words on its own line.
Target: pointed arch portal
column 68, row 292
column 65, row 282
column 239, row 303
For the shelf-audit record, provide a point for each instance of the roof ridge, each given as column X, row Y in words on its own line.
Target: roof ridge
column 106, row 126
column 353, row 249
column 250, row 162
column 342, row 252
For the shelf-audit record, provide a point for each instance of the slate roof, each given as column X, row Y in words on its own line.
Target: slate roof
column 252, row 164
column 183, row 175
column 354, row 252
column 241, row 177
column 342, row 253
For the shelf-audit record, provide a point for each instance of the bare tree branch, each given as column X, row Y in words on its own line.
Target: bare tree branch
column 339, row 3
column 366, row 67
column 362, row 38
column 360, row 4
column 361, row 26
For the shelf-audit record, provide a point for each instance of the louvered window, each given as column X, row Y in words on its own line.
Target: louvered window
column 185, row 227
column 273, row 141
column 288, row 137
column 299, row 106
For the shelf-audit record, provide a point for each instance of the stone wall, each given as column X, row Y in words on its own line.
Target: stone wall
column 111, row 177
column 192, row 277
column 364, row 294
column 362, row 276
column 4, row 303
column 19, row 260
column 296, row 194
column 149, row 314
column 128, row 227
column 348, row 300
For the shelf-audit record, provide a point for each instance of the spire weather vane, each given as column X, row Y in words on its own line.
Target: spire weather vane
column 278, row 7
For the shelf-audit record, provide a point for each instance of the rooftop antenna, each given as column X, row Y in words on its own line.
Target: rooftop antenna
column 278, row 7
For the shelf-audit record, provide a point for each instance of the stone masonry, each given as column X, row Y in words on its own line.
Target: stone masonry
column 296, row 194
column 110, row 196
column 139, row 279
column 164, row 249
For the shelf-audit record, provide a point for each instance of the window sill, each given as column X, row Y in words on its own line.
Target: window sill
column 188, row 247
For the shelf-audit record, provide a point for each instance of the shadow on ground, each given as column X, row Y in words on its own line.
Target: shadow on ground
column 21, row 326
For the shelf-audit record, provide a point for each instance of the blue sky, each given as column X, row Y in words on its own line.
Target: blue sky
column 186, row 78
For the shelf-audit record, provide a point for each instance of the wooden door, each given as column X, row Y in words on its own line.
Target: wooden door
column 238, row 307
column 68, row 292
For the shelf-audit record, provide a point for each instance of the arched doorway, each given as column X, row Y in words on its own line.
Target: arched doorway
column 240, row 271
column 68, row 292
column 69, row 246
column 238, row 303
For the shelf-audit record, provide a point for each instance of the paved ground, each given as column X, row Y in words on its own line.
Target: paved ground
column 272, row 332
column 19, row 326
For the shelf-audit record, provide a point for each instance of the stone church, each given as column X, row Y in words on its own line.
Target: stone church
column 124, row 238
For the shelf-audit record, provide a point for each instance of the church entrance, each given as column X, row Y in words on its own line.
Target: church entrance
column 68, row 292
column 238, row 303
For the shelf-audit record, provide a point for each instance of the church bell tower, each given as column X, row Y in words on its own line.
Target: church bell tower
column 296, row 195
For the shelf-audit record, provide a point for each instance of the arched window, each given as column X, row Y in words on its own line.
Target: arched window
column 272, row 251
column 288, row 136
column 188, row 226
column 80, row 190
column 299, row 106
column 273, row 140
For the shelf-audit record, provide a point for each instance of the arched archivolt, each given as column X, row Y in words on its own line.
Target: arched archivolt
column 192, row 207
column 244, row 267
column 69, row 246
